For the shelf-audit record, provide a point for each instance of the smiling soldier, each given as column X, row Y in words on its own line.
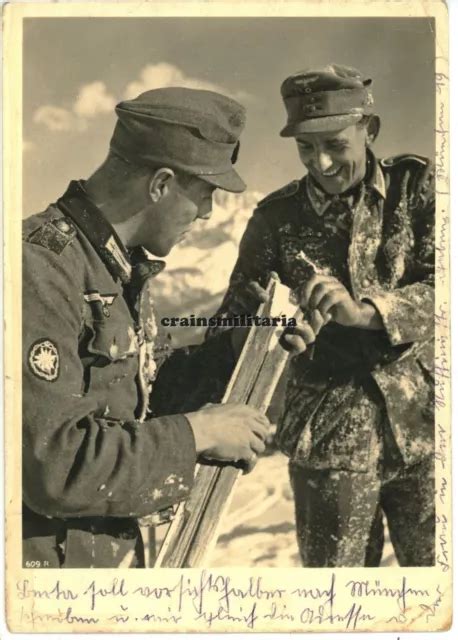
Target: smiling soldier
column 355, row 239
column 98, row 453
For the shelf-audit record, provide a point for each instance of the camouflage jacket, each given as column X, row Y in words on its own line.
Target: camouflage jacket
column 379, row 242
column 96, row 456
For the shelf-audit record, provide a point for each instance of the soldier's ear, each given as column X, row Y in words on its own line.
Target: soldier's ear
column 372, row 128
column 159, row 183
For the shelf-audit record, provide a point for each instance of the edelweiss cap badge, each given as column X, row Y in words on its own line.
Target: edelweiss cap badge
column 44, row 360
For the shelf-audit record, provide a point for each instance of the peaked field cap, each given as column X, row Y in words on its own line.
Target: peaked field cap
column 325, row 99
column 191, row 130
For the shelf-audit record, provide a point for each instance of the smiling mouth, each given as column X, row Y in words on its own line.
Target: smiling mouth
column 331, row 173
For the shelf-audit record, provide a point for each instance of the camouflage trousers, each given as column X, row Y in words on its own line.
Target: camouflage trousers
column 339, row 513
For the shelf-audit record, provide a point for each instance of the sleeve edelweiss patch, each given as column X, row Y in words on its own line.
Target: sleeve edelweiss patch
column 44, row 359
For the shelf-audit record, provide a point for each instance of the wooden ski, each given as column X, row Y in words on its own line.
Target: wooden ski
column 193, row 532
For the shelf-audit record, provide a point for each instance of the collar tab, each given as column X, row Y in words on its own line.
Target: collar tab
column 90, row 220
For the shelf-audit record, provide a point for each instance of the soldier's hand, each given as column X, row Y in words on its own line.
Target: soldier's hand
column 296, row 339
column 229, row 432
column 293, row 339
column 332, row 300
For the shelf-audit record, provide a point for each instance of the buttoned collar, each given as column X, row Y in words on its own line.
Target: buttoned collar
column 320, row 200
column 90, row 220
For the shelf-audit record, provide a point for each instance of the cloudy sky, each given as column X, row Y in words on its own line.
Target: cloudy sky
column 77, row 69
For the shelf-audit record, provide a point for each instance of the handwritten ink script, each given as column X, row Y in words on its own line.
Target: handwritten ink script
column 442, row 369
column 442, row 391
column 218, row 601
column 442, row 135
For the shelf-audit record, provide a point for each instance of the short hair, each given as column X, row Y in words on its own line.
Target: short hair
column 115, row 162
column 122, row 166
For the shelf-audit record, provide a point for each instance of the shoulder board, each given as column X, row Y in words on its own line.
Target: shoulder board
column 54, row 234
column 285, row 192
column 405, row 157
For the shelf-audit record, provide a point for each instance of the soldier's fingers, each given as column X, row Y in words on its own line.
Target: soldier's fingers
column 248, row 415
column 259, row 432
column 307, row 289
column 316, row 321
column 320, row 291
column 260, row 428
column 257, row 445
column 256, row 413
column 257, row 292
column 250, row 463
column 330, row 300
column 305, row 331
column 294, row 344
column 304, row 291
column 296, row 339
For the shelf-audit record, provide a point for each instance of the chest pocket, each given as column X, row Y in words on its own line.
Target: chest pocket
column 110, row 333
column 108, row 345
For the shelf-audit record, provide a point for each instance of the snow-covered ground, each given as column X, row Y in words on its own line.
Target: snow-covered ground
column 259, row 530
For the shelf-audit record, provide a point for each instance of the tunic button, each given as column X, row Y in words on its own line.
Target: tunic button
column 366, row 283
column 63, row 226
column 319, row 234
column 411, row 243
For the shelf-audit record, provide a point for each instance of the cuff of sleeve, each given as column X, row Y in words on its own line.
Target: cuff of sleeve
column 184, row 424
column 387, row 304
column 172, row 477
column 407, row 313
column 185, row 428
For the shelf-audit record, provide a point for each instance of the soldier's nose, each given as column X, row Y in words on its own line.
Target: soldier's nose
column 323, row 161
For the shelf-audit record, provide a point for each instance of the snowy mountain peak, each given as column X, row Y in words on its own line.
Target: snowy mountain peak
column 198, row 269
